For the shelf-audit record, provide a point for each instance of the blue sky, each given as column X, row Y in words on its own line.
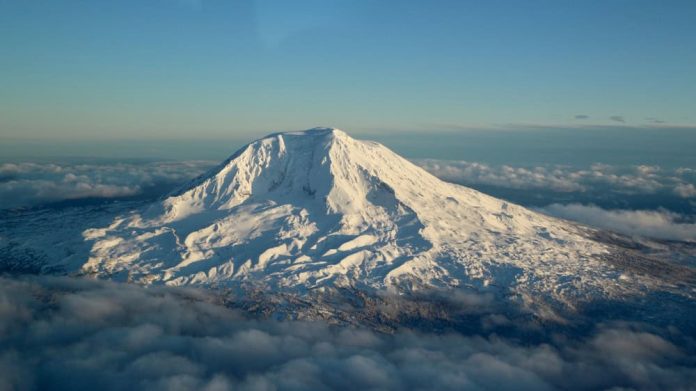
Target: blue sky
column 211, row 68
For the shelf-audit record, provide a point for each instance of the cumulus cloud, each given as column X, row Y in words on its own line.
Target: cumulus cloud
column 685, row 190
column 28, row 184
column 63, row 333
column 686, row 171
column 659, row 224
column 641, row 179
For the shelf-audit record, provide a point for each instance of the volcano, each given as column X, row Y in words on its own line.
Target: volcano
column 317, row 209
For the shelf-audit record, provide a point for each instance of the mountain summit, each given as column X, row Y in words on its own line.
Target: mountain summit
column 318, row 209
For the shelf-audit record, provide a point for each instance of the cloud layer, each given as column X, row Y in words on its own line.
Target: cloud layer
column 658, row 224
column 62, row 333
column 641, row 179
column 29, row 184
column 558, row 190
column 633, row 200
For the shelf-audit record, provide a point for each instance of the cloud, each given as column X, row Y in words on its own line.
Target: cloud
column 642, row 179
column 29, row 184
column 505, row 176
column 685, row 190
column 650, row 223
column 63, row 333
column 686, row 171
column 618, row 118
column 582, row 116
column 602, row 182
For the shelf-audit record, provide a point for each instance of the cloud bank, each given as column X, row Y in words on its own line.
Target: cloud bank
column 658, row 224
column 622, row 190
column 29, row 184
column 641, row 179
column 62, row 333
column 608, row 187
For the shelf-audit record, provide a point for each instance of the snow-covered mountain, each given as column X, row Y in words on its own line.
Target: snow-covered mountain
column 318, row 209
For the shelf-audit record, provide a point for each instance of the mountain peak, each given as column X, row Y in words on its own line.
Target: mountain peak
column 312, row 162
column 317, row 131
column 313, row 133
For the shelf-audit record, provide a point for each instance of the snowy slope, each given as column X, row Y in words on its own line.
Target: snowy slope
column 313, row 209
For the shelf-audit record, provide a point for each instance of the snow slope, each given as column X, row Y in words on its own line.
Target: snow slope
column 314, row 209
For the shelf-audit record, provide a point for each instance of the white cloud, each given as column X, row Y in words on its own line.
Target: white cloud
column 504, row 176
column 642, row 179
column 658, row 224
column 63, row 333
column 28, row 184
column 685, row 190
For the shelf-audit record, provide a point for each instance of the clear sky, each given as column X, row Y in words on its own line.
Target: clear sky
column 74, row 69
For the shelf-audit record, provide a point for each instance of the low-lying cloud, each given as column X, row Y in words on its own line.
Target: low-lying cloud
column 641, row 200
column 660, row 224
column 640, row 179
column 685, row 190
column 62, row 333
column 29, row 184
